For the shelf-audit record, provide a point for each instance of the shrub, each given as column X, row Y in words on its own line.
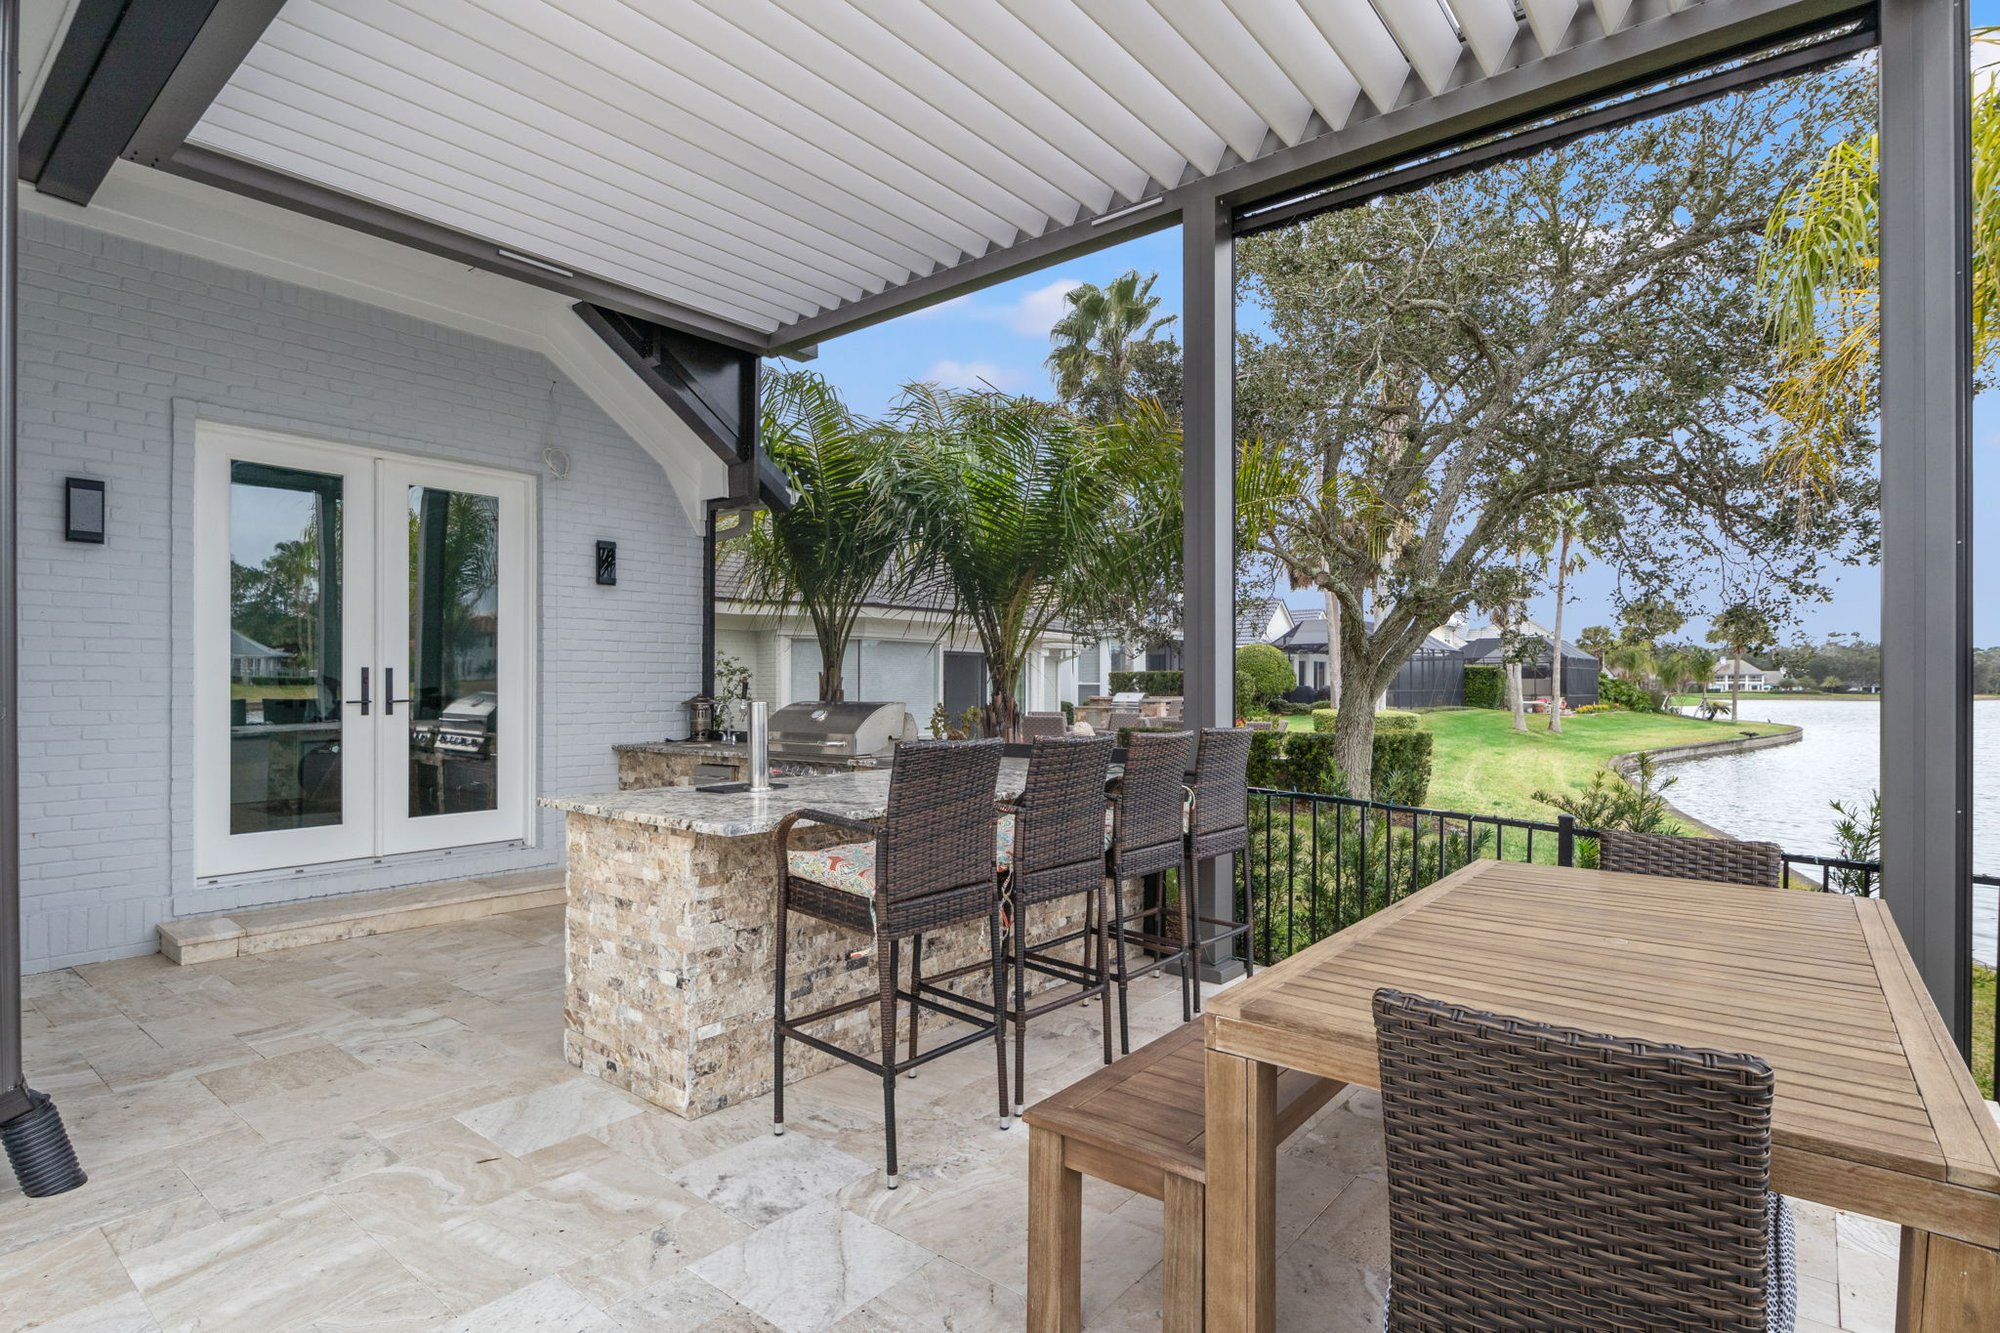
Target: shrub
column 1401, row 765
column 1622, row 693
column 1267, row 759
column 1290, row 708
column 1612, row 802
column 1269, row 674
column 1485, row 687
column 1146, row 682
column 1306, row 694
column 1587, row 709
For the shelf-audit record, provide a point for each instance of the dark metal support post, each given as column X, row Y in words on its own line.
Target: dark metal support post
column 1208, row 487
column 37, row 1147
column 1926, row 226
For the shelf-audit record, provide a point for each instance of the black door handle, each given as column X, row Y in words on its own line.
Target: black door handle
column 389, row 699
column 363, row 700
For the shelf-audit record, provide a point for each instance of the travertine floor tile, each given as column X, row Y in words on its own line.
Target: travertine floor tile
column 382, row 1135
column 520, row 1125
column 811, row 1267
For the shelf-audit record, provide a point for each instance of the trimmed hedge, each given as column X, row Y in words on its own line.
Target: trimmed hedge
column 1146, row 682
column 1400, row 767
column 1485, row 687
column 1386, row 719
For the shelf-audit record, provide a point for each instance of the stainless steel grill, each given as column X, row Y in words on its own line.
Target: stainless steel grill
column 852, row 730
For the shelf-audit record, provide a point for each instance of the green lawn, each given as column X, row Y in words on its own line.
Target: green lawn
column 1482, row 764
column 1983, row 980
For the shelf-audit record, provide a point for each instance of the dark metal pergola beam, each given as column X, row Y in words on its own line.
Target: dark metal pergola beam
column 1925, row 217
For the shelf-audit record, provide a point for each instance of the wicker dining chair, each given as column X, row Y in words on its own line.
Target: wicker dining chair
column 1148, row 823
column 1548, row 1179
column 1218, row 824
column 1122, row 721
column 1056, row 832
column 1036, row 725
column 1723, row 860
column 930, row 863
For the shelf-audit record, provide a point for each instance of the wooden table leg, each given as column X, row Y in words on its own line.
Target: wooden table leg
column 1055, row 1237
column 1946, row 1286
column 1181, row 1280
column 1242, row 1125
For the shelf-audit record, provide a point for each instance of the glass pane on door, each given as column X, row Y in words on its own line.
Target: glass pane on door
column 454, row 658
column 284, row 648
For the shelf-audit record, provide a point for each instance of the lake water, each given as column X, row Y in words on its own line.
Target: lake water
column 1781, row 794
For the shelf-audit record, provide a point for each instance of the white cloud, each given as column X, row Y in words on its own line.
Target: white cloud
column 951, row 374
column 1036, row 312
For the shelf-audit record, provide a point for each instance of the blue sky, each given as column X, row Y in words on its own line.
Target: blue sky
column 1000, row 336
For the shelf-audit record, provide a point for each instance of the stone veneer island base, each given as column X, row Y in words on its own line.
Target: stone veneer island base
column 671, row 922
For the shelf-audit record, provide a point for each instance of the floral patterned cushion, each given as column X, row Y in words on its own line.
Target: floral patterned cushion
column 847, row 866
column 1003, row 842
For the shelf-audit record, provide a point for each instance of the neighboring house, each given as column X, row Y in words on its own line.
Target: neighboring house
column 900, row 650
column 249, row 658
column 1740, row 673
column 1258, row 620
column 1434, row 675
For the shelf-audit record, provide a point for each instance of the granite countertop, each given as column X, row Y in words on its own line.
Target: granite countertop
column 698, row 749
column 863, row 794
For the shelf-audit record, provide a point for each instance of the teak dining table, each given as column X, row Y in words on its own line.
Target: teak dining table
column 1874, row 1110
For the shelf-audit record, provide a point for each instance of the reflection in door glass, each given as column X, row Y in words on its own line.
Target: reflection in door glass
column 284, row 648
column 454, row 651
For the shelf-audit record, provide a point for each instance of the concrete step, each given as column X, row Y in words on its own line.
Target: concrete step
column 204, row 939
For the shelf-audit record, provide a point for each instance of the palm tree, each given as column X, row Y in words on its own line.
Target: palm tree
column 842, row 538
column 1566, row 513
column 1009, row 497
column 1741, row 628
column 1094, row 341
column 1819, row 273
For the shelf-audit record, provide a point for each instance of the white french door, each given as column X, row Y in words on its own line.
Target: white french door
column 361, row 662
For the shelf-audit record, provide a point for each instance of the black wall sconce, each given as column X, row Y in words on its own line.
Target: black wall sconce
column 83, row 510
column 607, row 564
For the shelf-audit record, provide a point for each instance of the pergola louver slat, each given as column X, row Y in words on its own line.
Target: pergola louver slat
column 952, row 75
column 1490, row 29
column 496, row 169
column 763, row 99
column 1355, row 31
column 1242, row 63
column 1611, row 13
column 849, row 71
column 1115, row 70
column 1297, row 48
column 1550, row 20
column 608, row 103
column 1182, row 70
column 1428, row 40
column 482, row 81
column 1012, row 45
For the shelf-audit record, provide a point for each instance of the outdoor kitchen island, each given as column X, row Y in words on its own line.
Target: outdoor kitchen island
column 671, row 916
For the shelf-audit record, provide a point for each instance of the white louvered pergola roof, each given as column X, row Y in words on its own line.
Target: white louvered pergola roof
column 768, row 162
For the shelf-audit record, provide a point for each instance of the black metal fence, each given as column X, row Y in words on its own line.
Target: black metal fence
column 1320, row 863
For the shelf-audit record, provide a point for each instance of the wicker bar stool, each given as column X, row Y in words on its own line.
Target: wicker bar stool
column 1036, row 725
column 929, row 864
column 1543, row 1178
column 1148, row 823
column 1722, row 860
column 1219, row 825
column 1057, row 852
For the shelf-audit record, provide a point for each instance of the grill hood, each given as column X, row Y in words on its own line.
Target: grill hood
column 848, row 730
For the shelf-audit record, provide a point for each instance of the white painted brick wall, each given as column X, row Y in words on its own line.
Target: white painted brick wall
column 123, row 348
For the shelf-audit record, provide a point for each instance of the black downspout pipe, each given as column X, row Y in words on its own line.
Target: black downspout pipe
column 708, row 605
column 32, row 1131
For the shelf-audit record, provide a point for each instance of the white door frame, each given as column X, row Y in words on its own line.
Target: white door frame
column 371, row 748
